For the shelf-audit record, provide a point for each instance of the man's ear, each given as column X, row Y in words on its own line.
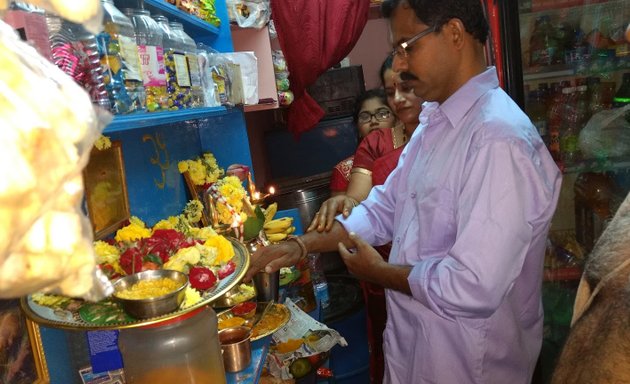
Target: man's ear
column 455, row 31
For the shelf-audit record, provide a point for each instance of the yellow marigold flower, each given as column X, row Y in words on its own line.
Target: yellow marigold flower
column 193, row 211
column 182, row 166
column 163, row 224
column 191, row 297
column 197, row 172
column 103, row 142
column 224, row 248
column 208, row 255
column 202, row 233
column 105, row 253
column 183, row 259
column 136, row 230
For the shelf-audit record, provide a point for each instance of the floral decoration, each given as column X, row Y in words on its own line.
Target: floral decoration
column 203, row 170
column 173, row 243
column 102, row 143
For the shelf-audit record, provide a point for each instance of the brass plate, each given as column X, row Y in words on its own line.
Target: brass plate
column 68, row 317
column 277, row 309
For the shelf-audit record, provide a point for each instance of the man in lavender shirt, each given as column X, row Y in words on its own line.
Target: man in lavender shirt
column 467, row 209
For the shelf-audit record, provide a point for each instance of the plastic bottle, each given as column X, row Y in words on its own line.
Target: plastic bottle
column 320, row 284
column 177, row 76
column 554, row 122
column 543, row 46
column 184, row 349
column 537, row 111
column 149, row 39
column 193, row 64
column 570, row 130
column 118, row 49
column 74, row 51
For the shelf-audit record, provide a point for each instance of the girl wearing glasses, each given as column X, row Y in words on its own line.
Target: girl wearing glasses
column 375, row 158
column 370, row 113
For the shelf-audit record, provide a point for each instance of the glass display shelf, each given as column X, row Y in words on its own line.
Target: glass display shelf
column 602, row 165
column 147, row 119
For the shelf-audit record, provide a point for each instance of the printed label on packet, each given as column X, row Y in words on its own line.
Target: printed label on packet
column 152, row 63
column 129, row 52
column 181, row 70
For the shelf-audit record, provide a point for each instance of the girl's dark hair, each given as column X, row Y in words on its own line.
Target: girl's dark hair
column 376, row 93
column 437, row 13
column 387, row 64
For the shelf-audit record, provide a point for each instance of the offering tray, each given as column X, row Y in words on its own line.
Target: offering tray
column 77, row 314
column 277, row 317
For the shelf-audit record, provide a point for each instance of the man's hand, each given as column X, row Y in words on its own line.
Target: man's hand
column 365, row 263
column 273, row 257
column 325, row 217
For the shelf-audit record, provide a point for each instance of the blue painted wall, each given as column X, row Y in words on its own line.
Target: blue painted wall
column 155, row 187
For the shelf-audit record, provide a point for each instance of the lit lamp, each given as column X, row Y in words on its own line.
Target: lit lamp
column 258, row 198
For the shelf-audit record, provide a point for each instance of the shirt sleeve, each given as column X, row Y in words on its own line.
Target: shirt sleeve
column 503, row 204
column 373, row 219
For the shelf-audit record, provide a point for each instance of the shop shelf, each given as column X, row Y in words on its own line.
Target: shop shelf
column 192, row 24
column 537, row 73
column 145, row 119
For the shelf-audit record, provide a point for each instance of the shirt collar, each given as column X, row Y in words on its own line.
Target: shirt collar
column 460, row 102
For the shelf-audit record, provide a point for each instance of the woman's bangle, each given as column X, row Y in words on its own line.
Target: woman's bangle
column 300, row 243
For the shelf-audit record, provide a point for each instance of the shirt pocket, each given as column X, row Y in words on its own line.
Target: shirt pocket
column 436, row 224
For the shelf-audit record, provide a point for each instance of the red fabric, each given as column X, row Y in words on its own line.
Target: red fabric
column 340, row 177
column 314, row 35
column 376, row 144
column 384, row 165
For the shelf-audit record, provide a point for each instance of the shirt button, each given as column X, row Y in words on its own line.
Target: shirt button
column 413, row 195
column 398, row 239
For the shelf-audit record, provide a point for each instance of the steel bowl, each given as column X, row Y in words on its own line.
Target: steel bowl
column 235, row 296
column 155, row 306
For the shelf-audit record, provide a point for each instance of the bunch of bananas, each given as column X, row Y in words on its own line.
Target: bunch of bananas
column 277, row 229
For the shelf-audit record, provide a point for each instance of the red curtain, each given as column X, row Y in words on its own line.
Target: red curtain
column 314, row 35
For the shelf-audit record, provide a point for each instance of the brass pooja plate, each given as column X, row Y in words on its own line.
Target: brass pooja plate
column 279, row 313
column 69, row 313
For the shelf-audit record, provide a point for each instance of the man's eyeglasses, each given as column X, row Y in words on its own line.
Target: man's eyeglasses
column 402, row 50
column 380, row 115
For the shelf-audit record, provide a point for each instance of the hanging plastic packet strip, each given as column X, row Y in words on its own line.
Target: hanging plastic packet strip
column 89, row 13
column 49, row 127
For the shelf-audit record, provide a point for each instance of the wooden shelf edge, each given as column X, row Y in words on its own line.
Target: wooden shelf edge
column 260, row 107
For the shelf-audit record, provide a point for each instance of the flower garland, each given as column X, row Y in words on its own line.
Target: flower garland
column 202, row 170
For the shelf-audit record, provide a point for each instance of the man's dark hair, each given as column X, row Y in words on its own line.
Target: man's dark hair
column 439, row 12
column 376, row 93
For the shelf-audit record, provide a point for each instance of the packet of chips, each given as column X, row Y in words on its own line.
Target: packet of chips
column 48, row 129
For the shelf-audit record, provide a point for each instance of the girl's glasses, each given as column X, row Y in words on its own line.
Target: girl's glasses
column 380, row 115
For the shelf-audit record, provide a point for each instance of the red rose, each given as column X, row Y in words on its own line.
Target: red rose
column 226, row 270
column 131, row 260
column 201, row 278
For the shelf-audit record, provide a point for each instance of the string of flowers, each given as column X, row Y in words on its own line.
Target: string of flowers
column 203, row 170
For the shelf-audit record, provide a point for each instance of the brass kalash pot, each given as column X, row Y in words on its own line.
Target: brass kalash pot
column 183, row 350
